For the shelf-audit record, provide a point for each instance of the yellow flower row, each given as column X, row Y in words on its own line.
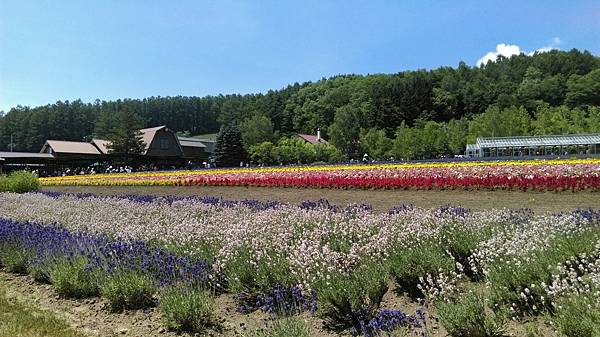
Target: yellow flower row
column 74, row 180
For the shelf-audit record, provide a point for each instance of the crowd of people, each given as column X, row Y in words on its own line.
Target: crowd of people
column 108, row 168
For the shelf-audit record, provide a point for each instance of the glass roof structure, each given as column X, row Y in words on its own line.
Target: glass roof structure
column 537, row 141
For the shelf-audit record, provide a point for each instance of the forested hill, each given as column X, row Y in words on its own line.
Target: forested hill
column 532, row 90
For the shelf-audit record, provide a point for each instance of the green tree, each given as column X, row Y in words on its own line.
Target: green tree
column 105, row 124
column 327, row 153
column 456, row 135
column 256, row 129
column 407, row 144
column 433, row 140
column 584, row 89
column 229, row 150
column 593, row 120
column 263, row 153
column 375, row 143
column 126, row 137
column 552, row 120
column 294, row 150
column 496, row 122
column 344, row 133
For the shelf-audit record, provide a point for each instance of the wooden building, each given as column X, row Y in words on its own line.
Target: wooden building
column 162, row 147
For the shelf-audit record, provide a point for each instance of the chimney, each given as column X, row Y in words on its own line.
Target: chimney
column 318, row 134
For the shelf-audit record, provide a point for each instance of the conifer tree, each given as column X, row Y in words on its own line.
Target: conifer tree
column 229, row 150
column 126, row 137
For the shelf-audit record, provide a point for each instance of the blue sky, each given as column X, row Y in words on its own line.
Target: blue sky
column 59, row 50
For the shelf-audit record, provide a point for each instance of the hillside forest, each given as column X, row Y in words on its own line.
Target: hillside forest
column 410, row 114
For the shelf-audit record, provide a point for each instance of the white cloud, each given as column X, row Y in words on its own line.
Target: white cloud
column 556, row 41
column 508, row 50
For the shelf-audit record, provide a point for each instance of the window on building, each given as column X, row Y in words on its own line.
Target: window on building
column 164, row 144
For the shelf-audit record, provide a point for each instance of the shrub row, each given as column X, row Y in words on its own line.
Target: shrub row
column 19, row 182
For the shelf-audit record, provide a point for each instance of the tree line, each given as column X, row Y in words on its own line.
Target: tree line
column 410, row 114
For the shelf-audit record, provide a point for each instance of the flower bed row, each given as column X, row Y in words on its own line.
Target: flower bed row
column 528, row 175
column 477, row 268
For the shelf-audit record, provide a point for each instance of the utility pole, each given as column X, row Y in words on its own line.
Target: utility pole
column 11, row 142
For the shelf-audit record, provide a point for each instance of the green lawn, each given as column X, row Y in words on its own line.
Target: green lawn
column 20, row 320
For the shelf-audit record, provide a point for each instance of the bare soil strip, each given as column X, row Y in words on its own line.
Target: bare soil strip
column 93, row 317
column 382, row 200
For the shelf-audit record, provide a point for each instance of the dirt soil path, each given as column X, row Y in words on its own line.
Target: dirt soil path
column 382, row 200
column 93, row 316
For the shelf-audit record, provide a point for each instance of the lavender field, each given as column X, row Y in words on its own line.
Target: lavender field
column 429, row 272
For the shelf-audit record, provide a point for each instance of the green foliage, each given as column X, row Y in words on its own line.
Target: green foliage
column 375, row 143
column 187, row 309
column 284, row 327
column 4, row 184
column 260, row 277
column 578, row 316
column 584, row 90
column 126, row 138
column 461, row 242
column 256, row 129
column 40, row 271
column 407, row 144
column 409, row 263
column 510, row 278
column 229, row 150
column 469, row 316
column 262, row 153
column 342, row 296
column 325, row 153
column 293, row 151
column 345, row 130
column 128, row 290
column 515, row 122
column 105, row 124
column 14, row 258
column 456, row 135
column 73, row 278
column 20, row 182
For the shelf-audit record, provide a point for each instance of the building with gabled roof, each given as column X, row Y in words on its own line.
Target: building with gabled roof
column 64, row 147
column 313, row 139
column 162, row 146
column 101, row 144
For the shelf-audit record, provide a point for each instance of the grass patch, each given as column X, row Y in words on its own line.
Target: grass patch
column 20, row 320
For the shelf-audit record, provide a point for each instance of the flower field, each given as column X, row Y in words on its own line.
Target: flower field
column 477, row 271
column 549, row 175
